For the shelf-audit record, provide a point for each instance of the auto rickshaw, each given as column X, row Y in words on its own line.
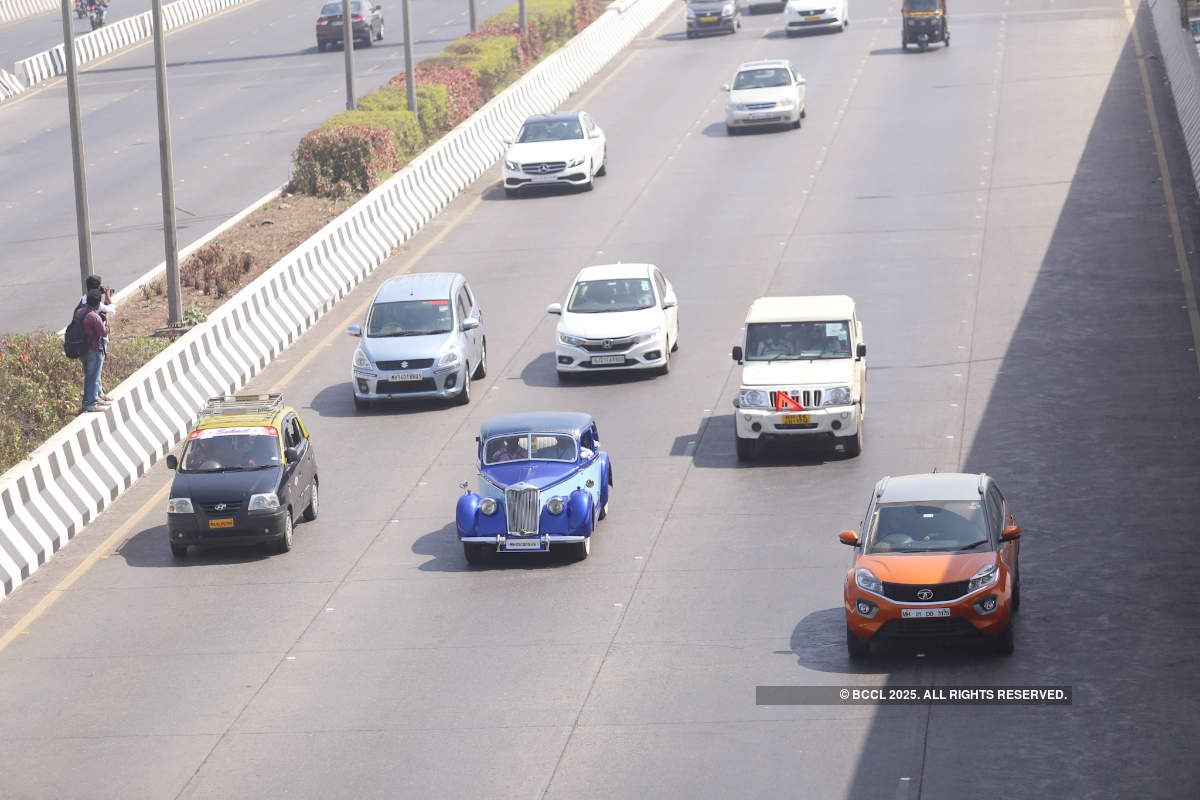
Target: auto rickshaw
column 922, row 22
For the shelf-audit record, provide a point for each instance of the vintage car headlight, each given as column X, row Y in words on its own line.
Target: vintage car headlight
column 984, row 578
column 647, row 336
column 575, row 162
column 449, row 357
column 513, row 165
column 487, row 506
column 574, row 341
column 752, row 398
column 866, row 580
column 180, row 505
column 263, row 502
column 727, row 11
column 837, row 396
column 555, row 506
column 361, row 360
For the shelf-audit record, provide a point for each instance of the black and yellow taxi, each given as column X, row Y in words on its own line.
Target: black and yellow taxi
column 245, row 473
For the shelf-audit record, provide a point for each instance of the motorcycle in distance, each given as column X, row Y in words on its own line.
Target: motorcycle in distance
column 922, row 22
column 80, row 9
column 96, row 13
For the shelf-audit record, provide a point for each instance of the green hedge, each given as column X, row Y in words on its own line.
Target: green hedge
column 344, row 160
column 555, row 19
column 496, row 61
column 406, row 131
column 433, row 108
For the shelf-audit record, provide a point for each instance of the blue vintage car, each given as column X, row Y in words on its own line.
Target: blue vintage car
column 543, row 481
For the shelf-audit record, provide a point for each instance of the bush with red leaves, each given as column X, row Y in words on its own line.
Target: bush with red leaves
column 344, row 160
column 529, row 47
column 465, row 94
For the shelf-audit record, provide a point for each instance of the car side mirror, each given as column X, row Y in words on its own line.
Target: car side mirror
column 506, row 141
column 801, row 82
column 172, row 461
column 1010, row 533
column 354, row 330
column 291, row 454
column 861, row 352
column 670, row 302
column 554, row 308
column 724, row 87
column 849, row 537
column 737, row 353
column 470, row 323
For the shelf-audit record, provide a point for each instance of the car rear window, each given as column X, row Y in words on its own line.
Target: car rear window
column 334, row 9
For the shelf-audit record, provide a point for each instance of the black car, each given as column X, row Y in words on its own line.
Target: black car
column 367, row 20
column 246, row 472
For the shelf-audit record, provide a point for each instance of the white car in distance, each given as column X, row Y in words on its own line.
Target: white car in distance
column 562, row 149
column 765, row 93
column 616, row 317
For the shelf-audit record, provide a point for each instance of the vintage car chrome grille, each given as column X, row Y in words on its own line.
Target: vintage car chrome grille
column 522, row 508
column 543, row 167
column 809, row 398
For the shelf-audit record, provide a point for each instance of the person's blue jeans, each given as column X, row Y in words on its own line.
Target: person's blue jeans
column 93, row 361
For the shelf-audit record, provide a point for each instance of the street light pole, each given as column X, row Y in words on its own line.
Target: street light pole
column 524, row 19
column 170, row 238
column 473, row 13
column 83, row 221
column 410, row 80
column 348, row 50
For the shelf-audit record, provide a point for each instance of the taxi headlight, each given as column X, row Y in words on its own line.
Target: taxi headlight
column 487, row 506
column 837, row 396
column 866, row 580
column 555, row 506
column 263, row 502
column 361, row 360
column 752, row 398
column 180, row 505
column 985, row 577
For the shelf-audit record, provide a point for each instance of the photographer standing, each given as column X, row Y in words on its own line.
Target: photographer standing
column 96, row 333
column 107, row 310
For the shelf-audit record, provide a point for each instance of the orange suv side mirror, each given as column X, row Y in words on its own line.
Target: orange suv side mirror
column 849, row 537
column 1010, row 532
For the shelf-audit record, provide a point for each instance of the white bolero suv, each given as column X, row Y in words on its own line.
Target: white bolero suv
column 804, row 373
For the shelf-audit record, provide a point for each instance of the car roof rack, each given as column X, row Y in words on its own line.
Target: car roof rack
column 243, row 403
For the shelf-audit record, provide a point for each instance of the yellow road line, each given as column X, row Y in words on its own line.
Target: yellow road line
column 1185, row 272
column 156, row 501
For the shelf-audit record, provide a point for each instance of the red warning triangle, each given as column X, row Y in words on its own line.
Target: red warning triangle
column 784, row 402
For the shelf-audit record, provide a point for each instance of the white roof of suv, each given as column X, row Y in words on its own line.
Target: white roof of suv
column 816, row 308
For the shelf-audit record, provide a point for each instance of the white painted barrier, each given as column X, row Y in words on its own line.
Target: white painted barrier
column 10, row 85
column 116, row 36
column 1183, row 73
column 19, row 9
column 48, row 498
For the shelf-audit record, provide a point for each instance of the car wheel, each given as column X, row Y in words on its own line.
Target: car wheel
column 565, row 377
column 747, row 449
column 179, row 550
column 1016, row 595
column 856, row 646
column 591, row 181
column 797, row 123
column 472, row 552
column 581, row 550
column 691, row 35
column 379, row 36
column 464, row 394
column 675, row 344
column 666, row 367
column 320, row 46
column 360, row 403
column 789, row 34
column 600, row 173
column 730, row 130
column 314, row 501
column 369, row 39
column 853, row 445
column 804, row 113
column 604, row 509
column 285, row 542
column 481, row 368
column 509, row 192
column 1004, row 642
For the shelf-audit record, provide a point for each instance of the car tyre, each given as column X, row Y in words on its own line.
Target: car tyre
column 600, row 173
column 1004, row 643
column 730, row 130
column 510, row 192
column 591, row 181
column 691, row 35
column 314, row 503
column 853, row 445
column 1016, row 594
column 179, row 551
column 604, row 510
column 665, row 369
column 473, row 552
column 565, row 377
column 857, row 647
column 481, row 367
column 747, row 449
column 284, row 544
column 379, row 36
column 360, row 403
column 320, row 46
column 464, row 394
column 799, row 121
column 581, row 550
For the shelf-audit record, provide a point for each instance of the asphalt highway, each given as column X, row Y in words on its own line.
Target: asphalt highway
column 29, row 36
column 244, row 86
column 997, row 211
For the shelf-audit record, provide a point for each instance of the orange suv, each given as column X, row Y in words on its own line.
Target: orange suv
column 937, row 558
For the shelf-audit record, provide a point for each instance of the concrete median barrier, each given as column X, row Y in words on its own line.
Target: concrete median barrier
column 20, row 9
column 1183, row 72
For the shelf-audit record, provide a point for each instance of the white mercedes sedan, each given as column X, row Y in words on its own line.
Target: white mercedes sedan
column 616, row 317
column 562, row 149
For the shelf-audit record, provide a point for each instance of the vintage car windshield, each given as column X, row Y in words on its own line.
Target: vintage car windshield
column 794, row 341
column 762, row 78
column 231, row 449
column 410, row 318
column 923, row 5
column 530, row 447
column 555, row 130
column 928, row 526
column 620, row 294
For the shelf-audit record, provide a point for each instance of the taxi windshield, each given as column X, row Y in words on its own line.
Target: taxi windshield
column 231, row 449
column 529, row 447
column 796, row 341
column 928, row 526
column 410, row 318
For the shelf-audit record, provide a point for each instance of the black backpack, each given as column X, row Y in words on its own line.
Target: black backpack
column 74, row 339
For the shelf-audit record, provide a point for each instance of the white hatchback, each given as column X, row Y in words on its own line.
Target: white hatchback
column 765, row 93
column 617, row 317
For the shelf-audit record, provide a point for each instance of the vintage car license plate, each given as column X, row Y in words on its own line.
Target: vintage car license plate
column 922, row 613
column 796, row 419
column 608, row 359
column 226, row 522
column 816, row 18
column 523, row 544
column 712, row 18
column 405, row 376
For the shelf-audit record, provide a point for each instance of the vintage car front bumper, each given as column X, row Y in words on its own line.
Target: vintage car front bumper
column 839, row 421
column 524, row 544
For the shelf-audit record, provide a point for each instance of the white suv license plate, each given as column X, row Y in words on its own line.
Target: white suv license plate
column 405, row 376
column 523, row 544
column 923, row 613
column 608, row 359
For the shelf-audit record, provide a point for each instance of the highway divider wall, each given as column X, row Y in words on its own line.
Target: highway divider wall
column 10, row 85
column 116, row 36
column 48, row 498
column 19, row 9
column 1183, row 73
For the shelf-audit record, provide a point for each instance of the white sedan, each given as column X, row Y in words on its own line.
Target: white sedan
column 566, row 148
column 617, row 317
